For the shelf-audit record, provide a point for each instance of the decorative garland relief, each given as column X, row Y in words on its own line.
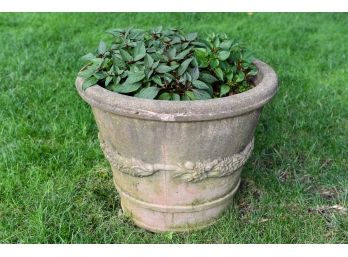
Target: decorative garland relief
column 187, row 171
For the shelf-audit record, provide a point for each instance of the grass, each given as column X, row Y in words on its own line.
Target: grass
column 55, row 184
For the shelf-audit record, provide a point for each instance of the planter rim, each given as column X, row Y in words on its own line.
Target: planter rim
column 266, row 85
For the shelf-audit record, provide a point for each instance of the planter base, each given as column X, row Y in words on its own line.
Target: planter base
column 175, row 218
column 188, row 228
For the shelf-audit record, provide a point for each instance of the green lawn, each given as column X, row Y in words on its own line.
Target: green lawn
column 55, row 184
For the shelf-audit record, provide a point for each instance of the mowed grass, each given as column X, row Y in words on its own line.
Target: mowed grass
column 56, row 186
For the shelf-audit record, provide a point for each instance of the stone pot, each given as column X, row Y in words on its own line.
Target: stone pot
column 177, row 164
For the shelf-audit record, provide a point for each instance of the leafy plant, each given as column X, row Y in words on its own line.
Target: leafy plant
column 169, row 65
column 226, row 65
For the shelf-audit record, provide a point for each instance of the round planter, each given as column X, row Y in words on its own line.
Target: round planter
column 177, row 164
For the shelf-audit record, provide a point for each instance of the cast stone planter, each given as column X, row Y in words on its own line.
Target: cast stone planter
column 177, row 164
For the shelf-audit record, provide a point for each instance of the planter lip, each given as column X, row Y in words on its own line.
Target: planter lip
column 176, row 111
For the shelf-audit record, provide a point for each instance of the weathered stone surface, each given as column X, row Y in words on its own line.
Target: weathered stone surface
column 177, row 164
column 188, row 171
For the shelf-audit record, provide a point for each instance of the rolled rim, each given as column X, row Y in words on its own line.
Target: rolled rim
column 266, row 85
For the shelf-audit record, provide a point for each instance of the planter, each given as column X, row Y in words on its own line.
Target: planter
column 177, row 164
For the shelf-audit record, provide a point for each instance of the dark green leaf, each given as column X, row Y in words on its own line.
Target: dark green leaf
column 219, row 73
column 183, row 54
column 184, row 45
column 135, row 77
column 184, row 97
column 175, row 40
column 226, row 45
column 162, row 68
column 195, row 73
column 210, row 90
column 188, row 76
column 208, row 78
column 165, row 96
column 119, row 72
column 229, row 76
column 157, row 80
column 203, row 63
column 108, row 80
column 183, row 66
column 214, row 63
column 175, row 97
column 148, row 73
column 216, row 42
column 106, row 63
column 194, row 62
column 200, row 85
column 252, row 72
column 161, row 57
column 127, row 31
column 240, row 77
column 133, row 68
column 224, row 89
column 97, row 61
column 139, row 51
column 126, row 88
column 174, row 63
column 223, row 55
column 102, row 48
column 116, row 80
column 191, row 36
column 168, row 77
column 201, row 94
column 171, row 53
column 201, row 52
column 100, row 75
column 148, row 92
column 190, row 95
column 126, row 56
column 155, row 64
column 245, row 65
column 208, row 43
column 195, row 43
column 89, row 82
column 148, row 61
column 183, row 79
column 118, row 62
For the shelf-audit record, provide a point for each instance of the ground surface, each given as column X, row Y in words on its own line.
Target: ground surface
column 55, row 184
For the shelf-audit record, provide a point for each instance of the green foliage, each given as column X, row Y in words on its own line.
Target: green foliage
column 169, row 65
column 229, row 65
